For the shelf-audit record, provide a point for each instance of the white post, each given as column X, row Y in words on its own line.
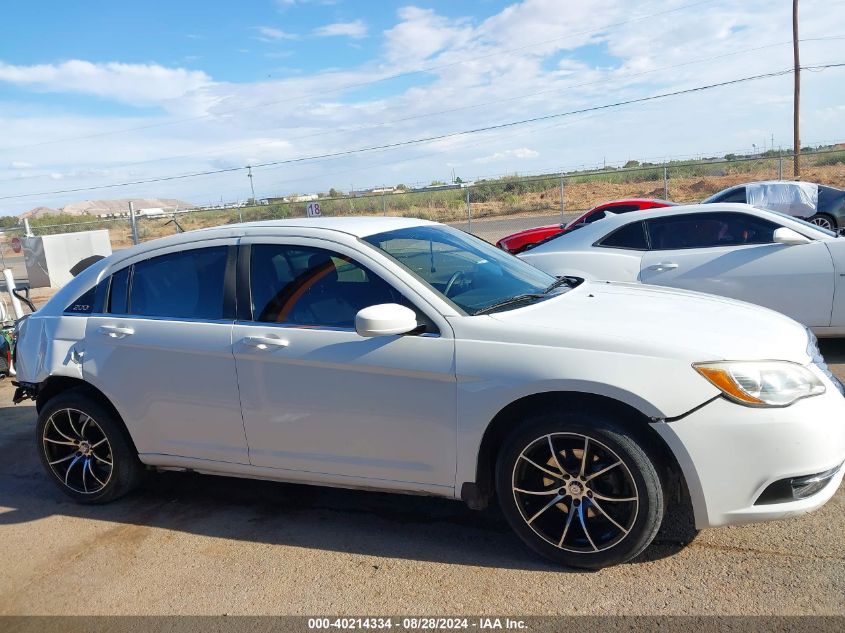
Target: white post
column 10, row 286
column 562, row 200
column 26, row 230
column 133, row 223
column 469, row 214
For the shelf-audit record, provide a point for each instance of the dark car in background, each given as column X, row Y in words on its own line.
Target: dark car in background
column 825, row 207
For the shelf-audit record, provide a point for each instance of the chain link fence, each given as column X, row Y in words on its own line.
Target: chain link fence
column 490, row 209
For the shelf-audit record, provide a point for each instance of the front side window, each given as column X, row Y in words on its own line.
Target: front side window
column 706, row 230
column 471, row 273
column 185, row 285
column 312, row 287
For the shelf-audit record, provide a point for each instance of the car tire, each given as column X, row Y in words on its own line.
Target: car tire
column 586, row 513
column 823, row 220
column 85, row 449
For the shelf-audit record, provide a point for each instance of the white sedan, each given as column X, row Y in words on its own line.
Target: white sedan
column 403, row 355
column 733, row 250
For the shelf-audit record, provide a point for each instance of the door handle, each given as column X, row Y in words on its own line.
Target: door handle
column 114, row 331
column 264, row 342
column 663, row 266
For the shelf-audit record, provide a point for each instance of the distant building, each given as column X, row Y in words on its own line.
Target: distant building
column 307, row 197
column 152, row 212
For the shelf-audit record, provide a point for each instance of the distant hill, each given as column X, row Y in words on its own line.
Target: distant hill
column 39, row 212
column 110, row 207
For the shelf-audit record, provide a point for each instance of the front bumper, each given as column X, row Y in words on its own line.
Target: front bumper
column 731, row 455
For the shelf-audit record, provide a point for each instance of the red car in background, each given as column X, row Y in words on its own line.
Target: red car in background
column 518, row 242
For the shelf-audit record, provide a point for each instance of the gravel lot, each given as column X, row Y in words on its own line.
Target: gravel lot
column 192, row 544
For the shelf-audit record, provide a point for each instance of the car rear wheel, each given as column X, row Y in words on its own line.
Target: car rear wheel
column 85, row 449
column 579, row 491
column 823, row 220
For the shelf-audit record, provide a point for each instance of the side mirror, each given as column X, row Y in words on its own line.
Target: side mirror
column 787, row 236
column 385, row 319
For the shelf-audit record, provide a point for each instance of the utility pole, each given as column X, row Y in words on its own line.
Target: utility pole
column 796, row 154
column 251, row 185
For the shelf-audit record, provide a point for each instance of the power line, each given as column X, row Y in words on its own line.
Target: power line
column 447, row 111
column 357, row 84
column 428, row 139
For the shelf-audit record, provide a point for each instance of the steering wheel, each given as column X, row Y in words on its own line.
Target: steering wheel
column 456, row 276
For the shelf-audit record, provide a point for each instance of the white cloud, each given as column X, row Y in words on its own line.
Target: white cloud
column 528, row 60
column 20, row 164
column 420, row 34
column 508, row 154
column 129, row 83
column 356, row 29
column 270, row 34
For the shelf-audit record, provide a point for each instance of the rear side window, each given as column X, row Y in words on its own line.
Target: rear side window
column 630, row 236
column 119, row 292
column 91, row 301
column 184, row 285
column 707, row 230
column 84, row 304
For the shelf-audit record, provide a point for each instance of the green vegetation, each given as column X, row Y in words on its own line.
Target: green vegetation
column 499, row 196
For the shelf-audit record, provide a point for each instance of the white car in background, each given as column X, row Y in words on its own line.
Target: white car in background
column 733, row 250
column 404, row 355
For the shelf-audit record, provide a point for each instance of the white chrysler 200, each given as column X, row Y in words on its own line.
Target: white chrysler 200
column 404, row 355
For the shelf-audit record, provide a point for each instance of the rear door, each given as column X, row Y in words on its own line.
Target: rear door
column 161, row 352
column 733, row 255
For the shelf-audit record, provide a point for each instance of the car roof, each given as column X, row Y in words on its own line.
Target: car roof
column 357, row 226
column 592, row 232
column 636, row 200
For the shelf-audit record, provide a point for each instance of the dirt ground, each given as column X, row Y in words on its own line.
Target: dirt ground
column 193, row 544
column 578, row 197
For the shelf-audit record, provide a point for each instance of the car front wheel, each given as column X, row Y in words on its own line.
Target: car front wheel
column 85, row 449
column 580, row 492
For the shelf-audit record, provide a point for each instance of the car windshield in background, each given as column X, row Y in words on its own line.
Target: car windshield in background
column 474, row 275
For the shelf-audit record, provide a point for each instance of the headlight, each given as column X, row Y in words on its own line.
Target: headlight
column 762, row 384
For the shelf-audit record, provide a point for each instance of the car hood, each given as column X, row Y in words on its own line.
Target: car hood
column 661, row 322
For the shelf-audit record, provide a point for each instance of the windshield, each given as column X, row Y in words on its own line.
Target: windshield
column 466, row 270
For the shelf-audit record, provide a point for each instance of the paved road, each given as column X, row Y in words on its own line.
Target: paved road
column 494, row 229
column 195, row 544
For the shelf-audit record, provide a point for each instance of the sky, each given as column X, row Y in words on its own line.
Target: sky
column 100, row 93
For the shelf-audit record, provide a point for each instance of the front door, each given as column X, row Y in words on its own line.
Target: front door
column 733, row 255
column 316, row 396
